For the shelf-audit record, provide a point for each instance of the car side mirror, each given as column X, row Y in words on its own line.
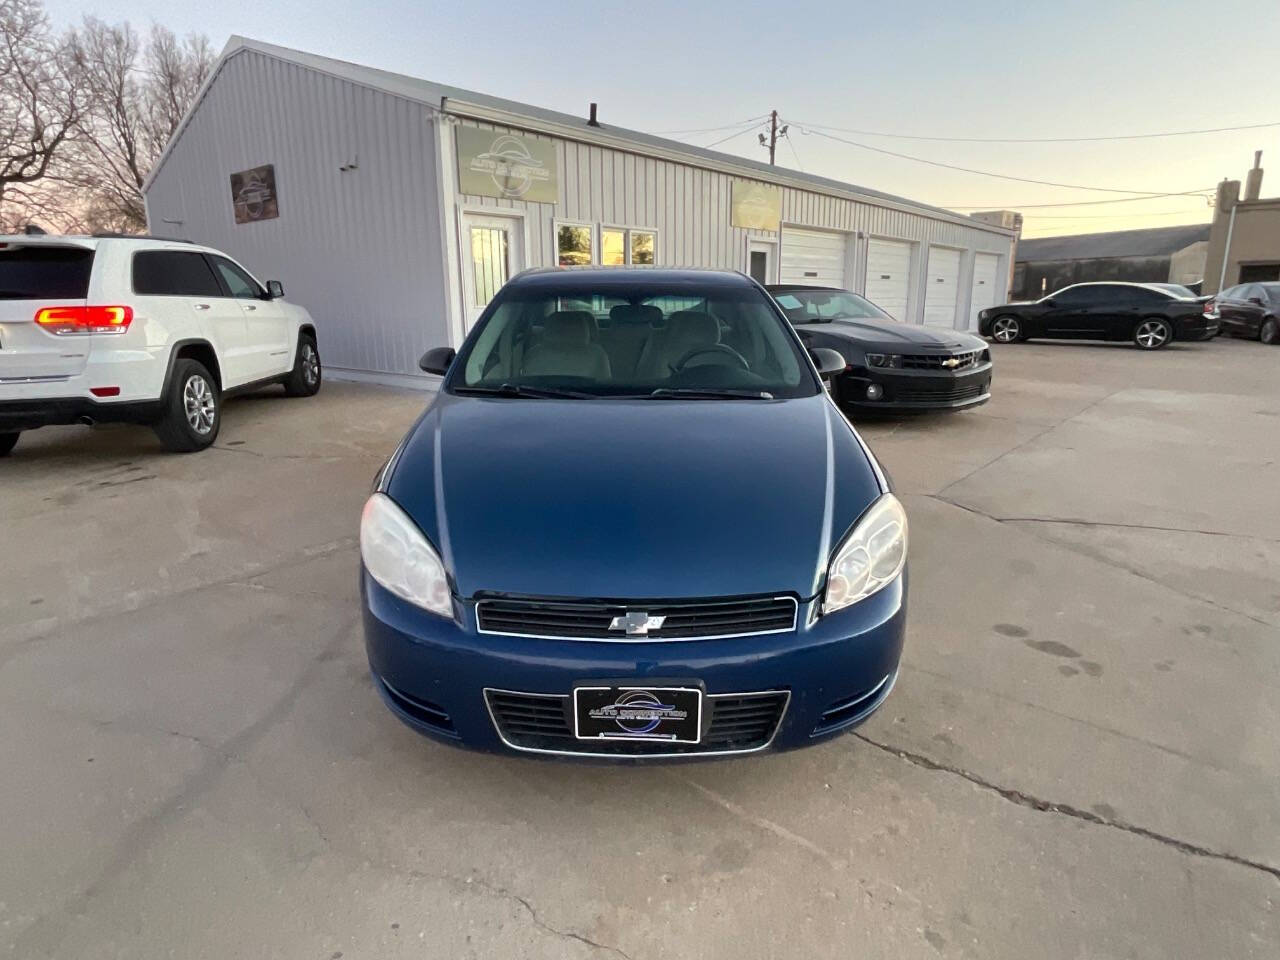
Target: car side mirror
column 438, row 360
column 829, row 362
column 275, row 289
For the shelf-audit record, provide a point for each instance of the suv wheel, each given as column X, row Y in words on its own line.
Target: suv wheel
column 1006, row 329
column 1270, row 332
column 7, row 442
column 1152, row 334
column 193, row 409
column 304, row 379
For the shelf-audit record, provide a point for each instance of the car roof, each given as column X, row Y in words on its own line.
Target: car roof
column 603, row 278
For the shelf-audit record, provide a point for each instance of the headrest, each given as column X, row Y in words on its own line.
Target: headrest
column 637, row 313
column 696, row 329
column 568, row 327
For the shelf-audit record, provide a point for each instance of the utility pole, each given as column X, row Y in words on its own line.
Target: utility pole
column 774, row 134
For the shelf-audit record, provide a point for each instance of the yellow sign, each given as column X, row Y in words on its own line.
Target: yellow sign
column 755, row 206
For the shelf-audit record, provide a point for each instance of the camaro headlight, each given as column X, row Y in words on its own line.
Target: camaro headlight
column 871, row 556
column 883, row 360
column 397, row 555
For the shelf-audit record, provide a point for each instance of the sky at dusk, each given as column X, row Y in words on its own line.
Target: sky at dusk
column 980, row 70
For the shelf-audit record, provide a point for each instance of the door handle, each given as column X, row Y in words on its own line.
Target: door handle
column 201, row 306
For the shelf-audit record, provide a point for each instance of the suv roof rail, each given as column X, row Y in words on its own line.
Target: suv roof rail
column 109, row 235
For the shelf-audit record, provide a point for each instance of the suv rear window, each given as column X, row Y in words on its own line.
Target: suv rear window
column 45, row 273
column 173, row 273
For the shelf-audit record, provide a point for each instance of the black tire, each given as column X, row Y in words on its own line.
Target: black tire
column 7, row 442
column 1007, row 328
column 193, row 409
column 304, row 379
column 1270, row 332
column 1152, row 333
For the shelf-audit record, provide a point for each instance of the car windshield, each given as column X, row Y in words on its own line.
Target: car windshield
column 646, row 341
column 821, row 306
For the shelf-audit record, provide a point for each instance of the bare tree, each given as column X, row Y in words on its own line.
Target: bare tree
column 137, row 98
column 41, row 104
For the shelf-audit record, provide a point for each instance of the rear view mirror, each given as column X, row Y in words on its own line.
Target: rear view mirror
column 438, row 360
column 275, row 289
column 828, row 361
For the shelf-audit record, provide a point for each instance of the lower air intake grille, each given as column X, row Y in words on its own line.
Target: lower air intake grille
column 737, row 722
column 686, row 620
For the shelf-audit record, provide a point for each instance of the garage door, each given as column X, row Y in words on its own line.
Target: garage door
column 814, row 257
column 942, row 285
column 889, row 276
column 986, row 285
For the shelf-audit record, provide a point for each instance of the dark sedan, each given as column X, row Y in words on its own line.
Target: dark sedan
column 1148, row 315
column 890, row 365
column 632, row 525
column 1250, row 310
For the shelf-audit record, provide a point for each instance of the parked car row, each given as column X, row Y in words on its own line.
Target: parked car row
column 111, row 329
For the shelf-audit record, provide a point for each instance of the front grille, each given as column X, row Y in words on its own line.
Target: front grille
column 940, row 391
column 935, row 361
column 731, row 723
column 591, row 621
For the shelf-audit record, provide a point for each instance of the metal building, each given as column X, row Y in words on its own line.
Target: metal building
column 393, row 208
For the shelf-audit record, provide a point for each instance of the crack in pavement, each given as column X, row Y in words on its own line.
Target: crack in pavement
column 1099, row 557
column 1065, row 809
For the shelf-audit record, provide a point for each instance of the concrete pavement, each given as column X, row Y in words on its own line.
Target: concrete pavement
column 1081, row 757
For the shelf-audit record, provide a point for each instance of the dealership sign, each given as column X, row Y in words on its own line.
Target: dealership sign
column 505, row 165
column 755, row 206
column 253, row 194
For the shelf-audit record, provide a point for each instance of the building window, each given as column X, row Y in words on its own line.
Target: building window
column 574, row 247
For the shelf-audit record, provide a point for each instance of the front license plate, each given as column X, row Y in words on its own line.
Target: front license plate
column 669, row 714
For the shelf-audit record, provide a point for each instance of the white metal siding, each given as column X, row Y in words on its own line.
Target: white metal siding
column 359, row 249
column 986, row 285
column 815, row 257
column 942, row 286
column 888, row 283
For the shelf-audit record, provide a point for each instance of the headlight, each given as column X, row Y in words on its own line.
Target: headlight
column 870, row 557
column 397, row 555
column 884, row 360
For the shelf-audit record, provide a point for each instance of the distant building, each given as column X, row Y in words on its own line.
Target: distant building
column 1156, row 255
column 1244, row 246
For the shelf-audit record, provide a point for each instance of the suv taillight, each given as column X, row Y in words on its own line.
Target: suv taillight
column 81, row 320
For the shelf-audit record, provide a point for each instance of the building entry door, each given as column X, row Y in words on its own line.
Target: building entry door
column 492, row 253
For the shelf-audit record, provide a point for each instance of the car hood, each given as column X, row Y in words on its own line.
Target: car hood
column 893, row 336
column 633, row 499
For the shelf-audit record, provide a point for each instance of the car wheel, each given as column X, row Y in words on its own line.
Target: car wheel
column 1006, row 330
column 304, row 379
column 1270, row 332
column 7, row 442
column 193, row 409
column 1152, row 334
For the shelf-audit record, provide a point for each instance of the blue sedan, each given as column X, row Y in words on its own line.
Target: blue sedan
column 633, row 525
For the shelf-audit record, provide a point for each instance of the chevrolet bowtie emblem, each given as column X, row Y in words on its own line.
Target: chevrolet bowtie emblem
column 637, row 623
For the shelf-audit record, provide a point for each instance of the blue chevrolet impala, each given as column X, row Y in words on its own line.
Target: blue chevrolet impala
column 633, row 525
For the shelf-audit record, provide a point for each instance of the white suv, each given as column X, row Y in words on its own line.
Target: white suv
column 139, row 330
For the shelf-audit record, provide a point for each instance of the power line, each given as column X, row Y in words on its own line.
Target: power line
column 1131, row 136
column 980, row 173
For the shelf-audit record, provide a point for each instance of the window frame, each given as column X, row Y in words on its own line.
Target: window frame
column 556, row 224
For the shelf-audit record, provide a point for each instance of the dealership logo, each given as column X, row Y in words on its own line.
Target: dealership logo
column 638, row 711
column 637, row 623
column 513, row 169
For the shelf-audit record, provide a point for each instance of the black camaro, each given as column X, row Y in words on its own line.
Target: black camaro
column 891, row 365
column 1148, row 315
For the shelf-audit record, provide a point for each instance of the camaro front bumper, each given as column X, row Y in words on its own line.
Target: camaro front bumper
column 440, row 676
column 914, row 389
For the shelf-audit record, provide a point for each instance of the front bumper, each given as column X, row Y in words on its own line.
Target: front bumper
column 433, row 673
column 915, row 389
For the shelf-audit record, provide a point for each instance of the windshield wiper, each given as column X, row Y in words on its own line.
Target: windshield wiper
column 521, row 390
column 672, row 393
